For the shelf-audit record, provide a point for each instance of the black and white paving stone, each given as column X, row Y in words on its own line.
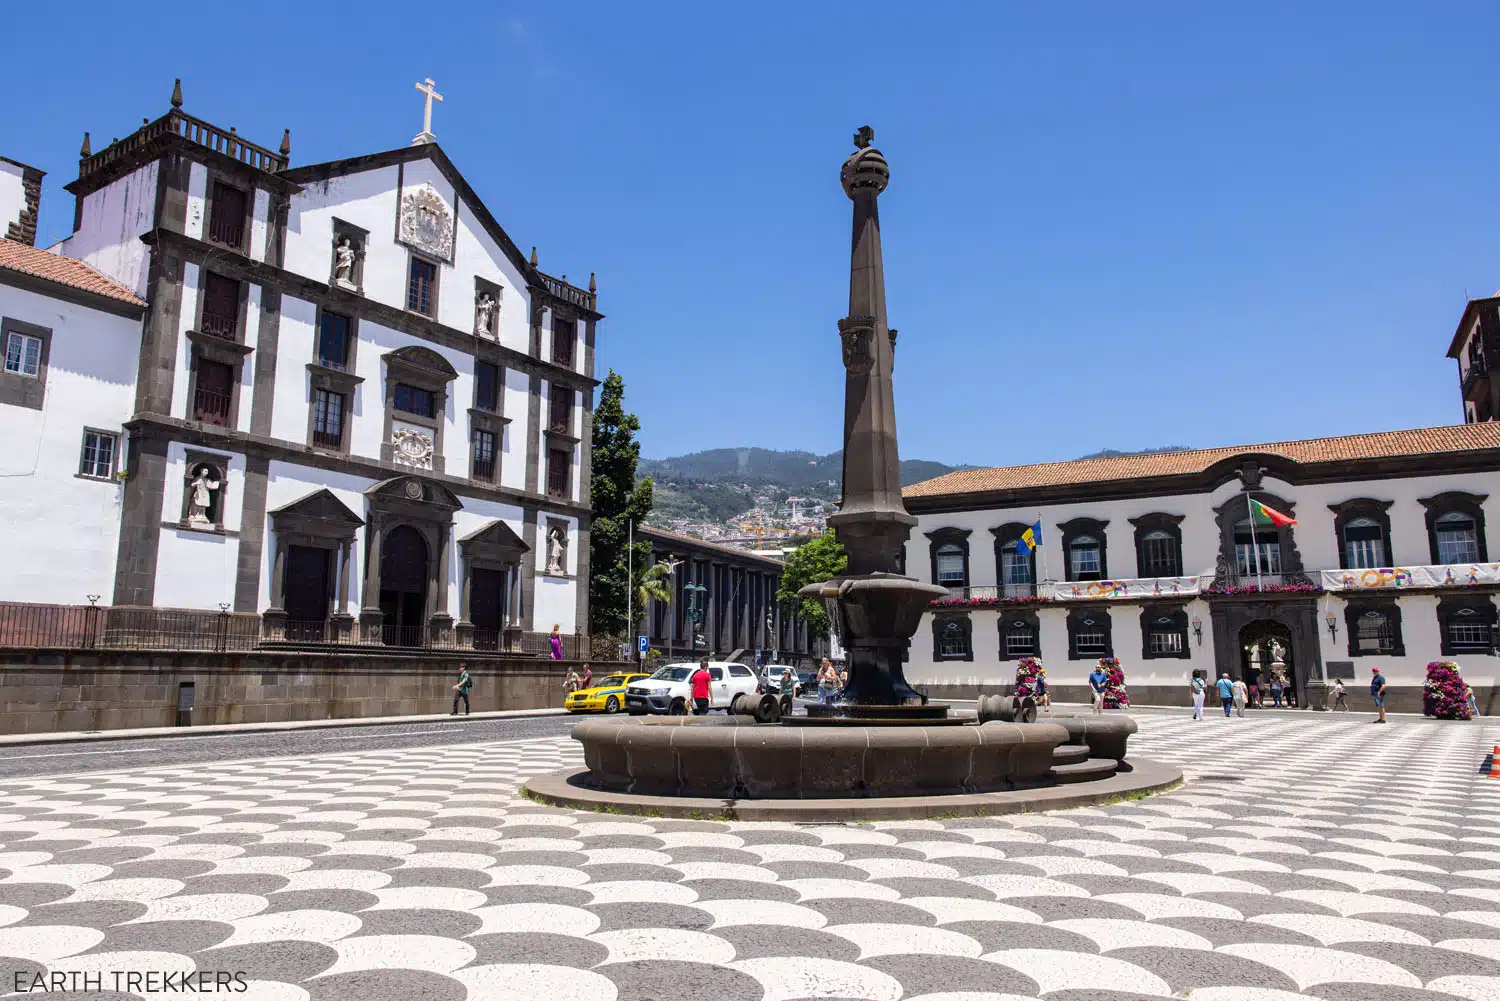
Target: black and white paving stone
column 1306, row 857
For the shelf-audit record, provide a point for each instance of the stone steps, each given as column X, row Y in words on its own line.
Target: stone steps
column 1069, row 754
column 1084, row 771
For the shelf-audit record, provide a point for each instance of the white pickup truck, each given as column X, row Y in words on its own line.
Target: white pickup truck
column 667, row 691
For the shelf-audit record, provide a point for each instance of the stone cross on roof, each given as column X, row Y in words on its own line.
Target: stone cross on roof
column 430, row 90
column 862, row 138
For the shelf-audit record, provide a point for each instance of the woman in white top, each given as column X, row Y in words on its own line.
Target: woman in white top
column 1241, row 696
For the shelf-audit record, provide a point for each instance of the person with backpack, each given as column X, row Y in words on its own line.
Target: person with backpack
column 1226, row 692
column 1199, row 689
column 1340, row 697
column 1377, row 692
column 461, row 691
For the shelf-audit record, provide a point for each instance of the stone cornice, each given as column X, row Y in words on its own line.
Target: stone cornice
column 245, row 268
column 226, row 439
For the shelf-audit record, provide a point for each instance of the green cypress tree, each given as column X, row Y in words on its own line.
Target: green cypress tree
column 617, row 500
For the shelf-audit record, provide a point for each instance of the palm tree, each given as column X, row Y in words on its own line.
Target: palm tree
column 653, row 584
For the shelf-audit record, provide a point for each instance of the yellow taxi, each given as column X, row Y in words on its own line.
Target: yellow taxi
column 607, row 696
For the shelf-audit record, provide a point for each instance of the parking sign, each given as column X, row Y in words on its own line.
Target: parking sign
column 643, row 645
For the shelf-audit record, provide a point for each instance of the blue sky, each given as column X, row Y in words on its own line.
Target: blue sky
column 1119, row 225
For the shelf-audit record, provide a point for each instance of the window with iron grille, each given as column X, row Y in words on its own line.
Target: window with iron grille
column 484, row 455
column 560, row 410
column 226, row 217
column 1020, row 639
column 558, row 461
column 213, row 392
column 1165, row 639
column 421, row 287
column 953, row 639
column 1083, row 558
column 1364, row 544
column 1088, row 635
column 950, row 565
column 1468, row 630
column 564, row 337
column 413, row 400
column 328, row 419
column 1373, row 633
column 333, row 341
column 1457, row 538
column 1159, row 555
column 221, row 306
column 486, row 387
column 98, row 458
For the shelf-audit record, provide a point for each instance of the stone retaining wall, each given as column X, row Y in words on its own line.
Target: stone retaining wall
column 49, row 691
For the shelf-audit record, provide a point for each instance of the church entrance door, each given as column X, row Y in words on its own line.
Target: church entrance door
column 1258, row 645
column 487, row 607
column 403, row 587
column 307, row 593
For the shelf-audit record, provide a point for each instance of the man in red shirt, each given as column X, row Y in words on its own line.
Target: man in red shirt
column 699, row 683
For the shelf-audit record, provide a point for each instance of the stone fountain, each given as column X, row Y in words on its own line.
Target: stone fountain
column 880, row 749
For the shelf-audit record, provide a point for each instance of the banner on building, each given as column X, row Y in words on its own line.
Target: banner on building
column 1144, row 587
column 1400, row 578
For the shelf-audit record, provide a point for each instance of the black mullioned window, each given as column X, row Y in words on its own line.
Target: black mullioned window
column 486, row 387
column 415, row 401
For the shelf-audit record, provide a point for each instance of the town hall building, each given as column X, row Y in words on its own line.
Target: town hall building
column 338, row 398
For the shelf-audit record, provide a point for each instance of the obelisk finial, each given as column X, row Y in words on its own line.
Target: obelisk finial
column 85, row 149
column 177, row 93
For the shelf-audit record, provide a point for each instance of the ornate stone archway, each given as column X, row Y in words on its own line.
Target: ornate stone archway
column 1297, row 614
column 427, row 508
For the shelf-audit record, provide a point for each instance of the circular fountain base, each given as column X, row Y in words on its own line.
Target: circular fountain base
column 730, row 767
column 864, row 715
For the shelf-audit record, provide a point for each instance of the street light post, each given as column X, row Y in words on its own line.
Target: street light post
column 695, row 594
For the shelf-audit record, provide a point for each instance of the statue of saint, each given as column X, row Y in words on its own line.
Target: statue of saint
column 343, row 266
column 557, row 547
column 1278, row 653
column 484, row 319
column 201, row 498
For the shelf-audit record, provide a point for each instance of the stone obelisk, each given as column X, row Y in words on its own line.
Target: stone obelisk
column 877, row 609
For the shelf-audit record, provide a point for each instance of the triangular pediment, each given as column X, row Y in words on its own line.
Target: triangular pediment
column 322, row 505
column 415, row 490
column 495, row 535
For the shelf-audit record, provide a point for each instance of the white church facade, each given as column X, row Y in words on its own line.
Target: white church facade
column 336, row 397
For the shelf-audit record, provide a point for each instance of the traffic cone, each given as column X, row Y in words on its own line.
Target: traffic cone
column 1495, row 763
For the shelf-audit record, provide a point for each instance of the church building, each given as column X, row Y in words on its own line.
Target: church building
column 336, row 401
column 1327, row 556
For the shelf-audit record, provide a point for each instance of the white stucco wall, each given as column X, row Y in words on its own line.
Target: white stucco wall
column 109, row 230
column 288, row 483
column 197, row 200
column 1315, row 539
column 295, row 344
column 60, row 532
column 517, row 404
column 259, row 214
column 556, row 598
column 12, row 194
column 197, row 569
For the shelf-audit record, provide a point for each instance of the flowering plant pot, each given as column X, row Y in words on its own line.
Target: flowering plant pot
column 1115, row 695
column 1444, row 694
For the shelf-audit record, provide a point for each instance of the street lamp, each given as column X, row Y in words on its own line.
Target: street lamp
column 694, row 595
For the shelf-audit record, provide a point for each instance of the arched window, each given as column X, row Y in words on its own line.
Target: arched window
column 950, row 565
column 1159, row 555
column 1364, row 544
column 1020, row 639
column 1457, row 538
column 1083, row 558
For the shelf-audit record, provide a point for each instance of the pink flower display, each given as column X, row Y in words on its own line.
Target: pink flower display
column 1028, row 670
column 1443, row 694
column 1115, row 696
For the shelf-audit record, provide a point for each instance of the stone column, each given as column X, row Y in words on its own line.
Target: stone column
column 441, row 623
column 341, row 623
column 369, row 613
column 463, row 631
column 273, row 619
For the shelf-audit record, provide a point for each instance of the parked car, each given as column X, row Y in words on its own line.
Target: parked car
column 667, row 691
column 607, row 696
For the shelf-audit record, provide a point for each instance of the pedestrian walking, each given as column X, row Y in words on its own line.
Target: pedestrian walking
column 1241, row 697
column 1377, row 692
column 828, row 682
column 572, row 682
column 1340, row 697
column 554, row 643
column 1472, row 701
column 461, row 691
column 1256, row 698
column 1097, row 681
column 586, row 680
column 1041, row 691
column 1276, row 691
column 1199, row 687
column 1226, row 692
column 699, row 685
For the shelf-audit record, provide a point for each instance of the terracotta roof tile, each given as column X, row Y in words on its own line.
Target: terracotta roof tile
column 38, row 263
column 1382, row 444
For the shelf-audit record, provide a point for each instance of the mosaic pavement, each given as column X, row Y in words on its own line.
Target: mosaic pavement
column 1305, row 858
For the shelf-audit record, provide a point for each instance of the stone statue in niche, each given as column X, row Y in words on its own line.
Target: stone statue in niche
column 1278, row 654
column 1255, row 655
column 343, row 263
column 557, row 550
column 201, row 496
column 485, row 308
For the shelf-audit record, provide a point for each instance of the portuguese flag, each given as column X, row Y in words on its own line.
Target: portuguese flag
column 1269, row 516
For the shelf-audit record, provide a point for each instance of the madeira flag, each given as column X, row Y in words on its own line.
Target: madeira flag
column 1030, row 539
column 1269, row 516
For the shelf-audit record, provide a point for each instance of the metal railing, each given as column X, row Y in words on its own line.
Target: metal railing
column 119, row 627
column 210, row 407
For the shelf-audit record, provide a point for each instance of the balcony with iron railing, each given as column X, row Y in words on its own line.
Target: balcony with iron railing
column 178, row 123
column 210, row 407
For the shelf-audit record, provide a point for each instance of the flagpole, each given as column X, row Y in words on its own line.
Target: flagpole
column 1043, row 551
column 1254, row 546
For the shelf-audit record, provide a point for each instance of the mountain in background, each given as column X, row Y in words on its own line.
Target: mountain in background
column 1115, row 453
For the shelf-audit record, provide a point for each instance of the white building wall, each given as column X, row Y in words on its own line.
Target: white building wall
column 288, row 483
column 295, row 344
column 183, row 376
column 196, row 569
column 12, row 194
column 517, row 406
column 251, row 340
column 556, row 598
column 109, row 230
column 60, row 532
column 197, row 200
column 259, row 229
column 476, row 515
